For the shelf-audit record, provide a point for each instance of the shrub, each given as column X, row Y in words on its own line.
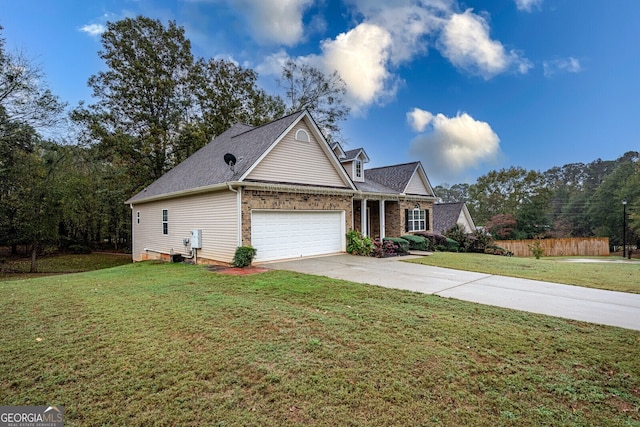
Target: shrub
column 418, row 243
column 403, row 245
column 452, row 245
column 243, row 256
column 536, row 249
column 497, row 250
column 459, row 234
column 434, row 239
column 384, row 249
column 357, row 244
column 483, row 240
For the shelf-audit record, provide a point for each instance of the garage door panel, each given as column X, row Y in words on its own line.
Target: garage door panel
column 291, row 234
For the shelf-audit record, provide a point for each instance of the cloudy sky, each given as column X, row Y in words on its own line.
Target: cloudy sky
column 465, row 87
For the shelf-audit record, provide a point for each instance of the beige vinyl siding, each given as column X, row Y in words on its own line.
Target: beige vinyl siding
column 298, row 162
column 416, row 186
column 215, row 214
column 349, row 167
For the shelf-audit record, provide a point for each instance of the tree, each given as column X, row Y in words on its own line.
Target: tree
column 453, row 193
column 157, row 104
column 514, row 191
column 24, row 98
column 502, row 226
column 323, row 95
column 225, row 94
column 605, row 207
column 143, row 96
column 26, row 107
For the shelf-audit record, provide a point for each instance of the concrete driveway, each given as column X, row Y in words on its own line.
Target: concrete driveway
column 570, row 302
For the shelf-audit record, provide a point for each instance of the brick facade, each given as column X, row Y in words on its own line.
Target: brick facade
column 428, row 206
column 266, row 199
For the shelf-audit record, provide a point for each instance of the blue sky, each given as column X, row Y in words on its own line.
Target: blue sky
column 465, row 87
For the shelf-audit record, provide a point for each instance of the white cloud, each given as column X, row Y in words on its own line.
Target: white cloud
column 391, row 33
column 452, row 145
column 565, row 65
column 93, row 29
column 274, row 21
column 419, row 119
column 466, row 43
column 528, row 5
column 360, row 56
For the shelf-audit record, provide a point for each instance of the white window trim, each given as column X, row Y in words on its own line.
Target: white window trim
column 357, row 166
column 138, row 217
column 412, row 221
column 165, row 222
column 302, row 135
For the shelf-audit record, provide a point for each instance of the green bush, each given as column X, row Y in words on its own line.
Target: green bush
column 403, row 245
column 357, row 244
column 452, row 245
column 460, row 235
column 244, row 256
column 418, row 243
column 536, row 249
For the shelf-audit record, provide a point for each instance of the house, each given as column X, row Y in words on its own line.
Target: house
column 281, row 188
column 446, row 215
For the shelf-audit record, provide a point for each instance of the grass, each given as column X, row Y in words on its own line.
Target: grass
column 602, row 275
column 173, row 344
column 18, row 268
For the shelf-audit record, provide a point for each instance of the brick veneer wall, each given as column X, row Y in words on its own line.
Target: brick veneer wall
column 263, row 199
column 410, row 205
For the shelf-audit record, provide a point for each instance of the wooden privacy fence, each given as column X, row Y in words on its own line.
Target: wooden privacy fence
column 585, row 246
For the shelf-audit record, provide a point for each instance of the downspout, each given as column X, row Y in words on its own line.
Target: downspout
column 239, row 211
column 133, row 246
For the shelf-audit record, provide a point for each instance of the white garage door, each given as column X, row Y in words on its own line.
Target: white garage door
column 292, row 234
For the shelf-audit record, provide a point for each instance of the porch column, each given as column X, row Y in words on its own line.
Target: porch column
column 382, row 235
column 363, row 217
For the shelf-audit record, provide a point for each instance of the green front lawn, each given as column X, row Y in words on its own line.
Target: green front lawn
column 174, row 344
column 623, row 277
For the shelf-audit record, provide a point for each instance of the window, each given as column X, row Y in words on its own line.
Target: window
column 416, row 220
column 302, row 135
column 138, row 217
column 165, row 221
column 358, row 169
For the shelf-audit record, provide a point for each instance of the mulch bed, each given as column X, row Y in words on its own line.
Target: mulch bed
column 235, row 271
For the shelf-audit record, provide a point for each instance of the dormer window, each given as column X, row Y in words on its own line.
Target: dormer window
column 302, row 135
column 358, row 167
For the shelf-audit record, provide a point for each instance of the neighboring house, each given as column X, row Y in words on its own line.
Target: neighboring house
column 446, row 215
column 280, row 188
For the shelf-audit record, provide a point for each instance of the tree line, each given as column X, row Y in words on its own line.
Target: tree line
column 574, row 200
column 66, row 174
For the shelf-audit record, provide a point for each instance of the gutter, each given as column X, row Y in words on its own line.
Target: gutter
column 279, row 187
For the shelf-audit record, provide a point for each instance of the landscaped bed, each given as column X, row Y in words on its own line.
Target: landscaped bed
column 176, row 344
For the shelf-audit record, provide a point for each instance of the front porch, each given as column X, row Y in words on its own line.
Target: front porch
column 388, row 218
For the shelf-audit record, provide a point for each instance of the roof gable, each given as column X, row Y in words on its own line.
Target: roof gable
column 357, row 153
column 308, row 162
column 399, row 178
column 446, row 215
column 206, row 167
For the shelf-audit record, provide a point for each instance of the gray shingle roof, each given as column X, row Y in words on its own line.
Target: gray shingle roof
column 207, row 166
column 395, row 177
column 445, row 215
column 373, row 187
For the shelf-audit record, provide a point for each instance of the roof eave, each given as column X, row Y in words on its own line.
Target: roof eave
column 181, row 193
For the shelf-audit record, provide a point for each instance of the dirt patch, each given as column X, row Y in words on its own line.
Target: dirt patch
column 235, row 271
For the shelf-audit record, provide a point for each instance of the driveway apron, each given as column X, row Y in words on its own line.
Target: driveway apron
column 570, row 302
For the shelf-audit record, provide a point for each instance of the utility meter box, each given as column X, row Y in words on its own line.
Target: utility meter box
column 196, row 239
